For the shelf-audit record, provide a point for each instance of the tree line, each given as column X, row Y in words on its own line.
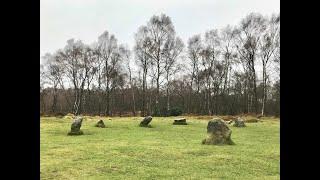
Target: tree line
column 214, row 73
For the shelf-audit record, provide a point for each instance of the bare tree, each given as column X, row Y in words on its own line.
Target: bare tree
column 126, row 56
column 209, row 59
column 194, row 50
column 248, row 36
column 99, row 70
column 229, row 55
column 108, row 52
column 74, row 59
column 158, row 31
column 42, row 77
column 219, row 77
column 172, row 50
column 91, row 65
column 42, row 84
column 276, row 56
column 54, row 75
column 268, row 44
column 143, row 60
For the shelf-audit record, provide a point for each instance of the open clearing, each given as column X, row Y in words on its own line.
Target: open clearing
column 124, row 150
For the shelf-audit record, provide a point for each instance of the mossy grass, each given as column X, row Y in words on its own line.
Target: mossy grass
column 146, row 126
column 126, row 151
column 180, row 123
column 75, row 133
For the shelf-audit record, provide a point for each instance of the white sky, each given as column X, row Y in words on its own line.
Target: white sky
column 61, row 20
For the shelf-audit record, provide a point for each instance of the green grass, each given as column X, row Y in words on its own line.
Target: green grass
column 124, row 150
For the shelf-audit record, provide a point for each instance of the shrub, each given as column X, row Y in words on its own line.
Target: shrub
column 228, row 118
column 59, row 115
column 156, row 112
column 252, row 120
column 176, row 111
column 164, row 112
column 69, row 114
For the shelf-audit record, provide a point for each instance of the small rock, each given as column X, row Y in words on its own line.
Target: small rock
column 100, row 124
column 181, row 121
column 252, row 120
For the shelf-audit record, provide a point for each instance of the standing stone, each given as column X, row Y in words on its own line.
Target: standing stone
column 239, row 123
column 181, row 121
column 218, row 133
column 75, row 127
column 145, row 122
column 100, row 124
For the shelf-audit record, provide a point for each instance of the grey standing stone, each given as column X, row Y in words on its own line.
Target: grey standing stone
column 181, row 121
column 100, row 124
column 218, row 133
column 145, row 122
column 75, row 127
column 239, row 123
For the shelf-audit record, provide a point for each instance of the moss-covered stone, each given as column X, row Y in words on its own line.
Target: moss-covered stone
column 218, row 133
column 239, row 123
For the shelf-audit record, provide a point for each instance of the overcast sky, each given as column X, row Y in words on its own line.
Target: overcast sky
column 61, row 20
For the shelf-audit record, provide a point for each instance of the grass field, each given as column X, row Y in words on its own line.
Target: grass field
column 124, row 150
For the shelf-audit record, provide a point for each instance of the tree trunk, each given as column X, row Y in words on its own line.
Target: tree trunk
column 143, row 100
column 209, row 100
column 254, row 86
column 158, row 91
column 189, row 98
column 107, row 110
column 99, row 101
column 264, row 89
column 168, row 96
column 133, row 102
column 75, row 105
column 168, row 101
column 54, row 101
column 80, row 102
column 143, row 113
